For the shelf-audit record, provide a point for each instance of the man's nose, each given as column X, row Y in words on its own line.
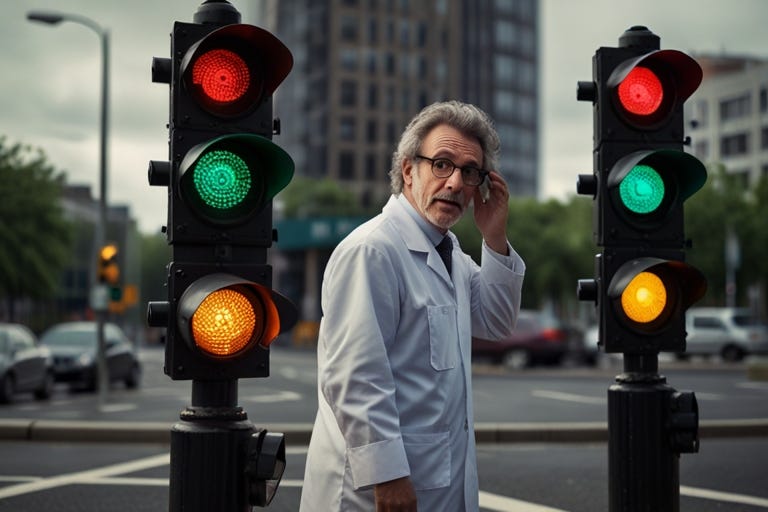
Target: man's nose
column 455, row 181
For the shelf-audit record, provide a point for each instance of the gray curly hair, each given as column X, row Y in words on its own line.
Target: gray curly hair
column 466, row 118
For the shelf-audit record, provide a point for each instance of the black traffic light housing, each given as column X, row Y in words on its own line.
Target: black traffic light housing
column 223, row 172
column 641, row 179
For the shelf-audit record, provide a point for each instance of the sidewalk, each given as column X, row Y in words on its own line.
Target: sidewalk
column 299, row 433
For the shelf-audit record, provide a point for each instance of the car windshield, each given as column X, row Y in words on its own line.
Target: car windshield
column 746, row 321
column 69, row 338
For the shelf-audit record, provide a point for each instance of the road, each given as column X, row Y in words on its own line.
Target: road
column 727, row 474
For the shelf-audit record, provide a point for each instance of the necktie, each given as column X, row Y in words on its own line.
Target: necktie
column 444, row 249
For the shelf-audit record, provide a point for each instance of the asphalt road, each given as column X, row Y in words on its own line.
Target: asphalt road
column 728, row 473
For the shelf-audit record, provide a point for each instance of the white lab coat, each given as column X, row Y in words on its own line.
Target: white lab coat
column 394, row 369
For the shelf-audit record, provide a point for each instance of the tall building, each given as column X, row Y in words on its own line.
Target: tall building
column 364, row 68
column 728, row 116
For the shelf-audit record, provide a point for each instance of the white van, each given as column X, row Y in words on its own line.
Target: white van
column 731, row 333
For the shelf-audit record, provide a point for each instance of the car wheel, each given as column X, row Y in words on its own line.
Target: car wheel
column 516, row 359
column 732, row 353
column 133, row 378
column 7, row 388
column 45, row 390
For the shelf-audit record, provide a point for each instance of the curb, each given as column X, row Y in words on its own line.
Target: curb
column 299, row 433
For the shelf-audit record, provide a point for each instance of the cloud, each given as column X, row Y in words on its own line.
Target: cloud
column 49, row 93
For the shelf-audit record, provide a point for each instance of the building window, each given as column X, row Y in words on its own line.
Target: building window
column 735, row 108
column 734, row 145
column 348, row 93
column 701, row 149
column 370, row 166
column 349, row 28
column 373, row 31
column 349, row 59
column 763, row 100
column 371, row 131
column 347, row 128
column 373, row 96
column 346, row 166
column 764, row 137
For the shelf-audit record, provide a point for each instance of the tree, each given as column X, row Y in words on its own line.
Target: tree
column 307, row 197
column 34, row 235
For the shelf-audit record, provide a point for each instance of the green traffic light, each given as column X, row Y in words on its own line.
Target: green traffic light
column 222, row 179
column 642, row 189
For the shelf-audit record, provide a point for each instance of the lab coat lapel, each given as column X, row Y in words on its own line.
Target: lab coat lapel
column 416, row 240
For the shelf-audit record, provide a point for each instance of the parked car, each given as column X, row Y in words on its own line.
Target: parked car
column 538, row 338
column 24, row 364
column 73, row 346
column 731, row 333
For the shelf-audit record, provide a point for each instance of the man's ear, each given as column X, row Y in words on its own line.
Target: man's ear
column 408, row 170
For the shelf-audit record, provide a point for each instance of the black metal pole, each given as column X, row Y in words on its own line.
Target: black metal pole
column 209, row 448
column 649, row 425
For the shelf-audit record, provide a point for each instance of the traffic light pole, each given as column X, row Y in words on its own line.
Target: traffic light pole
column 208, row 455
column 649, row 425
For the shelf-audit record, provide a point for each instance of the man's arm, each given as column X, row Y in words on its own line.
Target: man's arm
column 360, row 315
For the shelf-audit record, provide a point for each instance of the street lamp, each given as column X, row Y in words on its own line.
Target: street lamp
column 54, row 18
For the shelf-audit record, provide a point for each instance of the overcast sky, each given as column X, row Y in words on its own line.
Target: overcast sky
column 50, row 80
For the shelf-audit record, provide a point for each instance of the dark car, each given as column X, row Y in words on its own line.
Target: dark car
column 24, row 364
column 73, row 346
column 538, row 338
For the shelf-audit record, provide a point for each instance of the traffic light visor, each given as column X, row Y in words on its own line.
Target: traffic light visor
column 647, row 291
column 223, row 315
column 234, row 69
column 647, row 89
column 232, row 177
column 646, row 185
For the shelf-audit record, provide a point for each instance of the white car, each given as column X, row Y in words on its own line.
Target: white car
column 731, row 333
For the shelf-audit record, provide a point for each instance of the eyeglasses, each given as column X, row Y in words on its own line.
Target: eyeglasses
column 443, row 168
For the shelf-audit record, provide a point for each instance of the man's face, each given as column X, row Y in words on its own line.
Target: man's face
column 441, row 201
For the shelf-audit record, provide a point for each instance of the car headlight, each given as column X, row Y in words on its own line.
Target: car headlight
column 85, row 359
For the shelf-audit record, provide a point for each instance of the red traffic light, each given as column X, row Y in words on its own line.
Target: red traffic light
column 647, row 89
column 234, row 69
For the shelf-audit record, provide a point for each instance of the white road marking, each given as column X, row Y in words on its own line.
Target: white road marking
column 280, row 396
column 729, row 497
column 85, row 476
column 568, row 397
column 499, row 503
column 107, row 475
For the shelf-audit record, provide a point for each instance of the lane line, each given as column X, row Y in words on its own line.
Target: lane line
column 69, row 478
column 729, row 497
column 498, row 503
column 568, row 397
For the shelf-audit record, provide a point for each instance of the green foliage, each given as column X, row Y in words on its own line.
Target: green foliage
column 723, row 203
column 307, row 197
column 553, row 238
column 34, row 235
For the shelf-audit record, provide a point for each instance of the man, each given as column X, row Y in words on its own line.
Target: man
column 394, row 428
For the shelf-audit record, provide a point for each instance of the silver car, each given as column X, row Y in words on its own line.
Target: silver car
column 731, row 333
column 24, row 364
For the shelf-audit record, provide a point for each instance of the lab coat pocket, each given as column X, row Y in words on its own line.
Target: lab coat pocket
column 429, row 458
column 443, row 337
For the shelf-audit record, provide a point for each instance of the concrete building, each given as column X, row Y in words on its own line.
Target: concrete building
column 728, row 116
column 363, row 68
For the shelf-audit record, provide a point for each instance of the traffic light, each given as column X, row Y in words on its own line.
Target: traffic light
column 223, row 173
column 641, row 180
column 109, row 271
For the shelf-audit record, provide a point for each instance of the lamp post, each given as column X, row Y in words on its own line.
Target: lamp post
column 54, row 18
